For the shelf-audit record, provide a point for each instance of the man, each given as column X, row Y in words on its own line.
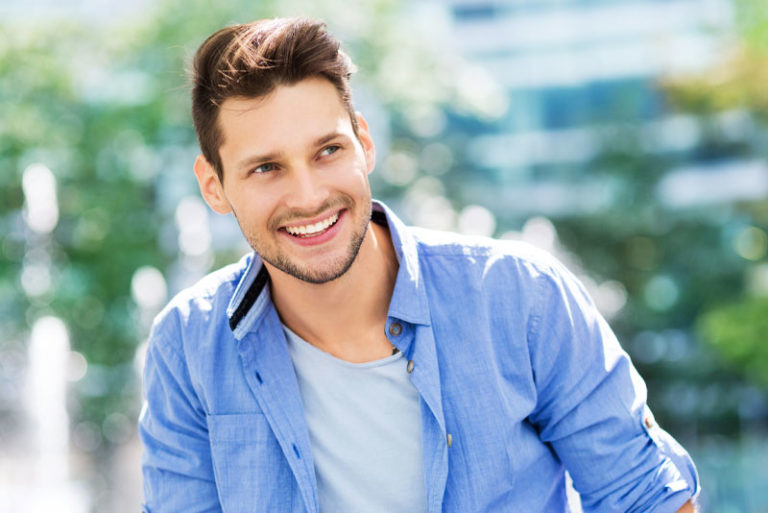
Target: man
column 353, row 364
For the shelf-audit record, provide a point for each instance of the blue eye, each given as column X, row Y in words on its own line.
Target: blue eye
column 264, row 168
column 328, row 150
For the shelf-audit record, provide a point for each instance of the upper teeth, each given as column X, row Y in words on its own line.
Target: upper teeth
column 311, row 229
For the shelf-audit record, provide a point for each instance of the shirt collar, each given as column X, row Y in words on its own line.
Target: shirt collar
column 251, row 299
column 409, row 299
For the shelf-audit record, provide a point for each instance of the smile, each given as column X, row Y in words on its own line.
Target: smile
column 311, row 230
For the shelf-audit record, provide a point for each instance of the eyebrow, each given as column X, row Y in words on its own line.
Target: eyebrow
column 328, row 137
column 252, row 160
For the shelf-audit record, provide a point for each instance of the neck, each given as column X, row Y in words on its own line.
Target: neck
column 346, row 316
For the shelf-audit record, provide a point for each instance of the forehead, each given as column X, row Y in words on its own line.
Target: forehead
column 288, row 111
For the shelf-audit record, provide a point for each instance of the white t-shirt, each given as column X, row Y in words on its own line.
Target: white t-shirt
column 364, row 425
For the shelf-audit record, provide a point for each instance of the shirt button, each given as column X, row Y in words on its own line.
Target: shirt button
column 648, row 421
column 449, row 439
column 395, row 329
column 410, row 366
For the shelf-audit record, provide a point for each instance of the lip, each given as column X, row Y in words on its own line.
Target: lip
column 315, row 240
column 315, row 220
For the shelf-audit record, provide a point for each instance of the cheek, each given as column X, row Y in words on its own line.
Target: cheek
column 357, row 188
column 250, row 213
column 359, row 179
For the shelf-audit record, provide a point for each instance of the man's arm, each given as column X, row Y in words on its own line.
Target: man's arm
column 687, row 508
column 591, row 408
column 176, row 462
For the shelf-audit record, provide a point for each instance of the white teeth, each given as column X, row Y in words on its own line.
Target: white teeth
column 311, row 229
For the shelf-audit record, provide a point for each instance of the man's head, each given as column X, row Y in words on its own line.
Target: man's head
column 273, row 113
column 251, row 60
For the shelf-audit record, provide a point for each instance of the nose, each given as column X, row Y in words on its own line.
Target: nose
column 307, row 191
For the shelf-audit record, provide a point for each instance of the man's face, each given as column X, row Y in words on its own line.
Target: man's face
column 296, row 178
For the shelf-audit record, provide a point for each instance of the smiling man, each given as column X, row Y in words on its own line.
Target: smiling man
column 353, row 364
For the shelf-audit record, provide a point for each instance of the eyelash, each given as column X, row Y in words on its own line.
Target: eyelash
column 335, row 147
column 256, row 169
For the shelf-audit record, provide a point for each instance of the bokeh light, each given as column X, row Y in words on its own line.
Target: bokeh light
column 192, row 223
column 477, row 220
column 661, row 292
column 148, row 288
column 41, row 206
column 751, row 243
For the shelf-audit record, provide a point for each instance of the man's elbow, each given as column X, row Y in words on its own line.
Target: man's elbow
column 687, row 508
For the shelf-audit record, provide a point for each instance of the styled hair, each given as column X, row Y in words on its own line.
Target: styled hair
column 251, row 60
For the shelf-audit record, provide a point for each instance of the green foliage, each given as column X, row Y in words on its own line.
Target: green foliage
column 732, row 322
column 752, row 23
column 738, row 80
column 107, row 218
column 738, row 332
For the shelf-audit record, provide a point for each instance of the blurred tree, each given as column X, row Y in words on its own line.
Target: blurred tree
column 738, row 331
column 673, row 263
column 690, row 269
column 738, row 80
column 737, row 84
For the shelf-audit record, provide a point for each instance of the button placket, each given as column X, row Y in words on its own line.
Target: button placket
column 395, row 330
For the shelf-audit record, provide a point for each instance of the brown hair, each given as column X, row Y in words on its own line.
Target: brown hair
column 250, row 60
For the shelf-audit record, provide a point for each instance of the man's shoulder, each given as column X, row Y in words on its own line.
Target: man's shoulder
column 483, row 251
column 206, row 300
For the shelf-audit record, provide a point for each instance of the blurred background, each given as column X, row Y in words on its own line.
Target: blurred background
column 629, row 137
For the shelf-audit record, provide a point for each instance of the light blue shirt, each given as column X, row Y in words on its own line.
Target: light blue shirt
column 519, row 379
column 364, row 427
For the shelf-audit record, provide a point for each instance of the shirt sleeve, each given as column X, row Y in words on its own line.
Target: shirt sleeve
column 591, row 408
column 176, row 462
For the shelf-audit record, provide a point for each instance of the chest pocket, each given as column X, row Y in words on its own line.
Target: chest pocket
column 252, row 475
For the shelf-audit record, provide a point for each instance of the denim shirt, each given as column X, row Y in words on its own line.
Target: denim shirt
column 519, row 378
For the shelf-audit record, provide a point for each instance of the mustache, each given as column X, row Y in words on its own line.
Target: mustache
column 293, row 215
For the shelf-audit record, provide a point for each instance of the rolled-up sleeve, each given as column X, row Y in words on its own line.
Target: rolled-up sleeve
column 176, row 462
column 591, row 408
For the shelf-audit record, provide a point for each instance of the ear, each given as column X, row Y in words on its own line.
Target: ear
column 367, row 141
column 210, row 186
